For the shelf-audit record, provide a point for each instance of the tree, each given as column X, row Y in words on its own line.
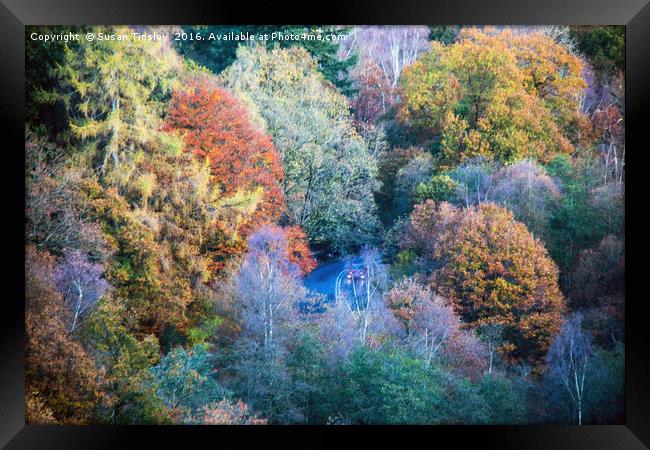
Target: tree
column 602, row 46
column 268, row 285
column 588, row 211
column 382, row 54
column 269, row 289
column 185, row 382
column 111, row 89
column 330, row 176
column 598, row 290
column 445, row 34
column 494, row 94
column 227, row 412
column 214, row 125
column 389, row 164
column 532, row 196
column 492, row 269
column 491, row 334
column 432, row 329
column 506, row 399
column 568, row 360
column 372, row 321
column 62, row 382
column 474, row 181
column 379, row 387
column 417, row 171
column 81, row 284
column 125, row 361
column 298, row 251
column 439, row 188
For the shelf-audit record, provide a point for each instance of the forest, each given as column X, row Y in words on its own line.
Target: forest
column 378, row 225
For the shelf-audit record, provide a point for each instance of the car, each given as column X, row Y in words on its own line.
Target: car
column 356, row 272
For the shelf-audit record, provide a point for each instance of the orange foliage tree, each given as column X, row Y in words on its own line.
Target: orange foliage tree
column 495, row 94
column 215, row 125
column 494, row 271
column 298, row 250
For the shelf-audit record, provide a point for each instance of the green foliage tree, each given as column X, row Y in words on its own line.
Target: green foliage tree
column 125, row 360
column 186, row 384
column 439, row 188
column 602, row 46
column 330, row 176
column 391, row 387
column 112, row 90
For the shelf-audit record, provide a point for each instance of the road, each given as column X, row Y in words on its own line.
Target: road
column 323, row 278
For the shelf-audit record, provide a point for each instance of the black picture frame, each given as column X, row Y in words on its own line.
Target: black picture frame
column 15, row 14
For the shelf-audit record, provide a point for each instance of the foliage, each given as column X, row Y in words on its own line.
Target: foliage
column 382, row 54
column 390, row 162
column 598, row 290
column 329, row 174
column 432, row 328
column 229, row 413
column 439, row 188
column 493, row 270
column 584, row 217
column 216, row 126
column 112, row 91
column 62, row 383
column 494, row 94
column 171, row 215
column 81, row 284
column 568, row 358
column 185, row 382
column 603, row 46
column 409, row 177
column 125, row 361
column 532, row 196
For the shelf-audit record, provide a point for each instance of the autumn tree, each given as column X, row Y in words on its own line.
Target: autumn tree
column 490, row 266
column 268, row 290
column 432, row 329
column 530, row 193
column 382, row 54
column 215, row 125
column 226, row 412
column 298, row 251
column 494, row 94
column 62, row 382
column 112, row 92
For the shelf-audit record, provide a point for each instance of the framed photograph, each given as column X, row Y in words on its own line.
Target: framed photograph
column 382, row 218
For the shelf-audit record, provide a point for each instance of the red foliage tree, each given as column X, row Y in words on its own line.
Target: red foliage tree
column 298, row 250
column 214, row 124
